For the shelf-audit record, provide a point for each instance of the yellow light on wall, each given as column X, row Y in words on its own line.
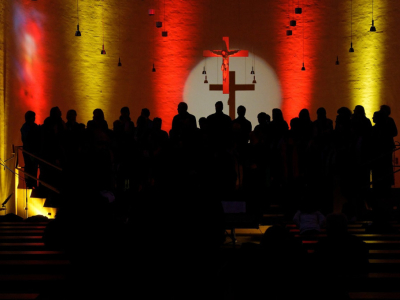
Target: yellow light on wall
column 93, row 71
column 366, row 64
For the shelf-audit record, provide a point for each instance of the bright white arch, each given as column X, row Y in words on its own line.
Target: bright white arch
column 265, row 97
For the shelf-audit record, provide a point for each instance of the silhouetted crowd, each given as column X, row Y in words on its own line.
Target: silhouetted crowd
column 223, row 153
column 138, row 189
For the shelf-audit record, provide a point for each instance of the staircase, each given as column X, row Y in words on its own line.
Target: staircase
column 27, row 268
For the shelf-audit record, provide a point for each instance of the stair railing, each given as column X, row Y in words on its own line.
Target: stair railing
column 50, row 187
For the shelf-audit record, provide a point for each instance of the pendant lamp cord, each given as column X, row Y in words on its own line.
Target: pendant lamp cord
column 303, row 37
column 372, row 9
column 165, row 25
column 351, row 13
column 77, row 10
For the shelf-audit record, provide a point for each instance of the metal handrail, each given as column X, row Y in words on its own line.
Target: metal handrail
column 50, row 187
column 38, row 158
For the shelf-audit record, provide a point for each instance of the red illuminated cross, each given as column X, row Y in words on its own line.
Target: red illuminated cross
column 232, row 92
column 225, row 54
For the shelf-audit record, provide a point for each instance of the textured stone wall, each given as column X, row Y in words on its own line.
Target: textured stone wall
column 45, row 65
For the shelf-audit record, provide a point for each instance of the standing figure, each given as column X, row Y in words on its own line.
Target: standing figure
column 30, row 142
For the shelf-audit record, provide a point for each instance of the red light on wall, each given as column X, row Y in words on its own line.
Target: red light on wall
column 151, row 12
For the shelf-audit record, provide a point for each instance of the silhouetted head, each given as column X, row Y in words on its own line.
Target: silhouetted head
column 241, row 111
column 359, row 111
column 219, row 106
column 30, row 116
column 385, row 109
column 378, row 117
column 98, row 114
column 263, row 118
column 182, row 107
column 157, row 122
column 203, row 123
column 321, row 113
column 71, row 115
column 145, row 113
column 55, row 112
column 125, row 111
column 277, row 115
column 344, row 112
column 304, row 115
column 294, row 124
column 336, row 224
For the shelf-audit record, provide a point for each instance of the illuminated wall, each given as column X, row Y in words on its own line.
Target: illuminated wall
column 4, row 178
column 43, row 64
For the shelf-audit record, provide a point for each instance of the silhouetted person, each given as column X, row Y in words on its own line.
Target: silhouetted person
column 219, row 126
column 72, row 124
column 360, row 124
column 361, row 132
column 158, row 137
column 321, row 157
column 98, row 122
column 279, row 130
column 30, row 137
column 381, row 155
column 74, row 136
column 183, row 124
column 279, row 127
column 53, row 133
column 267, row 271
column 123, row 148
column 241, row 127
column 124, row 124
column 144, row 125
column 323, row 127
column 305, row 125
column 308, row 218
column 340, row 258
column 263, row 126
column 342, row 141
column 389, row 122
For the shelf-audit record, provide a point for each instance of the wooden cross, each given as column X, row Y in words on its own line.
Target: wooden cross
column 233, row 87
column 225, row 54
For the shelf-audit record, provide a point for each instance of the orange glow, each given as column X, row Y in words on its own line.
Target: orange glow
column 174, row 56
column 297, row 85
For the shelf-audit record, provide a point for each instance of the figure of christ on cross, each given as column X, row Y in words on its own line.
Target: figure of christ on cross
column 225, row 54
column 233, row 87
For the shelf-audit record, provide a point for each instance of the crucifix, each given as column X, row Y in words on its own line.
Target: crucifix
column 233, row 87
column 225, row 54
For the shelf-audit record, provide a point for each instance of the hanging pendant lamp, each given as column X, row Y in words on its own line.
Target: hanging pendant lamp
column 337, row 61
column 351, row 30
column 154, row 69
column 103, row 51
column 205, row 80
column 204, row 71
column 298, row 10
column 254, row 80
column 303, row 68
column 252, row 71
column 77, row 32
column 164, row 33
column 373, row 28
